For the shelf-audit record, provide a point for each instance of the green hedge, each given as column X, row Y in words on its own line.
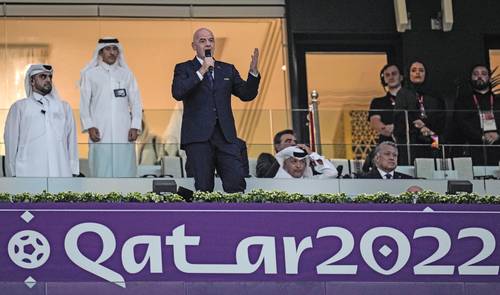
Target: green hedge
column 255, row 196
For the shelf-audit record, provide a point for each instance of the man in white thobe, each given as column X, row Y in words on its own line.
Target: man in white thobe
column 110, row 111
column 40, row 133
column 296, row 162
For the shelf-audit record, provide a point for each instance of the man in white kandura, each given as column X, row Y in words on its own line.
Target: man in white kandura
column 40, row 132
column 296, row 162
column 110, row 111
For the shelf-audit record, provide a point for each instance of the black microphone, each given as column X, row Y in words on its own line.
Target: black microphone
column 208, row 53
column 339, row 171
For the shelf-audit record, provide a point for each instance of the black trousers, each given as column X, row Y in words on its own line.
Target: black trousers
column 216, row 153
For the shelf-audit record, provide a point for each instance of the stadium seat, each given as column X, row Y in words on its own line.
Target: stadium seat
column 356, row 166
column 344, row 163
column 172, row 166
column 487, row 171
column 408, row 170
column 2, row 166
column 464, row 169
column 434, row 168
column 252, row 166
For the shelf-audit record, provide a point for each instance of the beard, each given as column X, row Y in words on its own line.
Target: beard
column 480, row 85
column 44, row 90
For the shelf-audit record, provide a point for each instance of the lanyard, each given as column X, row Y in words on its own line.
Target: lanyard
column 391, row 97
column 420, row 99
column 477, row 102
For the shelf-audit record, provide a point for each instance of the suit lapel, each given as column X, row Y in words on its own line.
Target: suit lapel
column 196, row 67
column 218, row 75
column 196, row 64
column 376, row 175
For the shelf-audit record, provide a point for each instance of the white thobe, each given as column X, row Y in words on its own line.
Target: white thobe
column 113, row 155
column 40, row 138
column 326, row 169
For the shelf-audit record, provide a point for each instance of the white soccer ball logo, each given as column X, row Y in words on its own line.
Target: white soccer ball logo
column 29, row 249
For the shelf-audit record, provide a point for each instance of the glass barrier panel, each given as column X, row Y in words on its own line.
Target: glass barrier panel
column 344, row 134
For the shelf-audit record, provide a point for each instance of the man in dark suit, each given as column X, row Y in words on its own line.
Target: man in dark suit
column 385, row 163
column 208, row 133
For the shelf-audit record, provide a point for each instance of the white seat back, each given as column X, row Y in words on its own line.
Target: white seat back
column 424, row 168
column 430, row 168
column 342, row 162
column 2, row 166
column 252, row 166
column 356, row 166
column 408, row 170
column 464, row 168
column 171, row 165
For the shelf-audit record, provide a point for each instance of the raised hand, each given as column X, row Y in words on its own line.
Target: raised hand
column 255, row 62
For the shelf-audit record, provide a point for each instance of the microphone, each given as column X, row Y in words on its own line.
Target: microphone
column 339, row 171
column 208, row 53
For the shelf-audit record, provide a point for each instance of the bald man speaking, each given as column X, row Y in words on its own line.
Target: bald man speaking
column 208, row 133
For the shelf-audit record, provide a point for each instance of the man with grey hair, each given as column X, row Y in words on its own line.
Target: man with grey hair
column 40, row 131
column 110, row 111
column 385, row 163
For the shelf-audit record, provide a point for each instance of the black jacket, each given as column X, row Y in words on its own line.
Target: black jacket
column 374, row 174
column 203, row 105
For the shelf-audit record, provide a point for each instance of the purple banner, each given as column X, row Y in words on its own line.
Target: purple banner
column 125, row 243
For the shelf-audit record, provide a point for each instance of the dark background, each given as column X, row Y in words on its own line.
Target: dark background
column 369, row 25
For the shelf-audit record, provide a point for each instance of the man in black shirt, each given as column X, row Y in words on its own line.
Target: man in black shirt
column 381, row 115
column 477, row 115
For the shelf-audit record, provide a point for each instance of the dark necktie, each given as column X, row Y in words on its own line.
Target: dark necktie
column 388, row 176
column 210, row 79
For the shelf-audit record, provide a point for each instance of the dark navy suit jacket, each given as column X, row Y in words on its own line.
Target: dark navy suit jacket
column 204, row 105
column 375, row 174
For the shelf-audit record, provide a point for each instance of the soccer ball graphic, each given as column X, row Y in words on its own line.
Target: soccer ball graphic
column 28, row 249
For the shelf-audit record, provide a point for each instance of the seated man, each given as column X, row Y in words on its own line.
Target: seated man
column 267, row 166
column 385, row 163
column 296, row 162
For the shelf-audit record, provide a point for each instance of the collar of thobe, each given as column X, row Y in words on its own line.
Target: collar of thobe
column 383, row 173
column 108, row 67
column 42, row 99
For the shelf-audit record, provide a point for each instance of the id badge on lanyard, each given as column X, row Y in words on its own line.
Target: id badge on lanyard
column 488, row 121
column 423, row 114
column 487, row 118
column 118, row 90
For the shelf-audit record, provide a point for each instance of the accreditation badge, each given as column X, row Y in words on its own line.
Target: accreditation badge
column 488, row 121
column 122, row 92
